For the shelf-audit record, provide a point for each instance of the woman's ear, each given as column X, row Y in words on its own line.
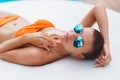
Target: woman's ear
column 79, row 56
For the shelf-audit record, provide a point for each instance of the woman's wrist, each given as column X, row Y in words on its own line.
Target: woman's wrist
column 106, row 44
column 106, row 41
column 27, row 38
column 107, row 47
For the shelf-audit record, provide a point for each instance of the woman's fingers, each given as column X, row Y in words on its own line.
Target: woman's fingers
column 100, row 62
column 48, row 40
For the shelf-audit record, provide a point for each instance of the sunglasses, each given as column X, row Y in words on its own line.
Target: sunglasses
column 78, row 42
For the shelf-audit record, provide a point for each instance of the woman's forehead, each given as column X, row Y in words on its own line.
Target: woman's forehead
column 88, row 32
column 88, row 38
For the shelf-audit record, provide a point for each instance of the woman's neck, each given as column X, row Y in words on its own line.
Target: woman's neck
column 59, row 50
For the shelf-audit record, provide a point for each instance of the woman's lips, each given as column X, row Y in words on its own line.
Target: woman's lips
column 66, row 36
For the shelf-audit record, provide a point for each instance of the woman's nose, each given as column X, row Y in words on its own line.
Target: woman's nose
column 73, row 35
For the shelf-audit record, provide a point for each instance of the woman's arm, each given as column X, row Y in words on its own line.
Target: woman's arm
column 30, row 56
column 37, row 39
column 12, row 43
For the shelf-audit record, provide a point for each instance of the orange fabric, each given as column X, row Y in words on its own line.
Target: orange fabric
column 7, row 19
column 39, row 25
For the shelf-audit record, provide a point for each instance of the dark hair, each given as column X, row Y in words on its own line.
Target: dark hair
column 97, row 46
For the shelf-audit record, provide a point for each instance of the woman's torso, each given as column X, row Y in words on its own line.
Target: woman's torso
column 9, row 30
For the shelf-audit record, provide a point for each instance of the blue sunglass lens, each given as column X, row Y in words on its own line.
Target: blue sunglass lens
column 78, row 42
column 78, row 28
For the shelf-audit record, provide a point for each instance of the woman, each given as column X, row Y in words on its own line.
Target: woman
column 50, row 44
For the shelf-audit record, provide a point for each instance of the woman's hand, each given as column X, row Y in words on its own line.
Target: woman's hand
column 40, row 40
column 105, row 57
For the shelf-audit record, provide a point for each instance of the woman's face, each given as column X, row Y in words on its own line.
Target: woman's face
column 69, row 37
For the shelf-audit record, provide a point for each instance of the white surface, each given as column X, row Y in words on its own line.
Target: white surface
column 64, row 15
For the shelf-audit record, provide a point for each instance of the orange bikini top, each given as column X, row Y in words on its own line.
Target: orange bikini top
column 7, row 19
column 38, row 25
